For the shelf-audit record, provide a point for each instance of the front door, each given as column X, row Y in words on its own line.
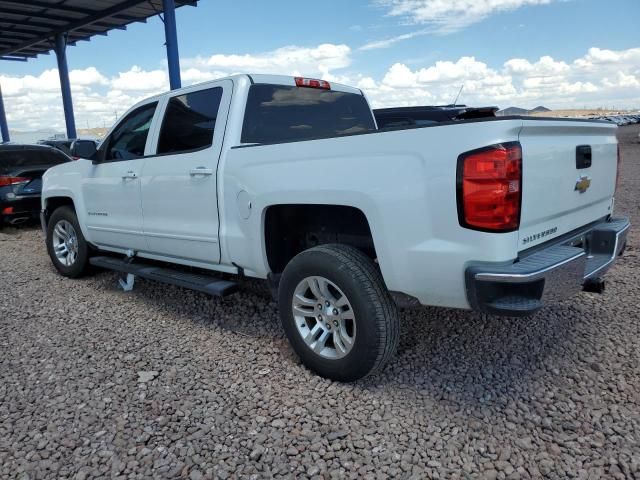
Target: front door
column 111, row 189
column 179, row 197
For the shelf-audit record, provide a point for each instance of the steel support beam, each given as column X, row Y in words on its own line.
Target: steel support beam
column 82, row 22
column 65, row 86
column 16, row 59
column 4, row 128
column 171, row 41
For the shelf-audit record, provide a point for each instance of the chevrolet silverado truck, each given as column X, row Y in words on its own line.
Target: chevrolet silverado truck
column 289, row 179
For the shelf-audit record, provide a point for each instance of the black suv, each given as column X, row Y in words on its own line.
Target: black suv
column 21, row 170
column 63, row 145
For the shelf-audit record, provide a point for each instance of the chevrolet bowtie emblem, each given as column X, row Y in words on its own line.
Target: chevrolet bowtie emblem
column 583, row 184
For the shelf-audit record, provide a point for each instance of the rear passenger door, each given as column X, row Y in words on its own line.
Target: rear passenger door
column 179, row 193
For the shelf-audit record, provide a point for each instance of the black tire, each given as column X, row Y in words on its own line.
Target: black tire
column 80, row 266
column 375, row 313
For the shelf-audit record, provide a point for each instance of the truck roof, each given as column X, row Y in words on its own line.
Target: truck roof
column 288, row 80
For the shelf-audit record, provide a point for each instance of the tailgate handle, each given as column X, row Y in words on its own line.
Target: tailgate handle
column 583, row 156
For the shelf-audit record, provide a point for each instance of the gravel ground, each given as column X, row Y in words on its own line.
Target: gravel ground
column 167, row 383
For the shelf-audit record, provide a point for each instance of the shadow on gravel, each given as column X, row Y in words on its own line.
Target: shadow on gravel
column 6, row 229
column 475, row 359
column 236, row 313
column 445, row 355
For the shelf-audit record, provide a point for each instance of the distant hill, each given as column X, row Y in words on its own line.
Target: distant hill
column 96, row 132
column 521, row 111
column 540, row 108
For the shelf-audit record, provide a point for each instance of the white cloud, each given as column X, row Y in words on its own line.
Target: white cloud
column 400, row 76
column 195, row 75
column 47, row 81
column 387, row 42
column 597, row 58
column 138, row 80
column 286, row 60
column 443, row 16
column 622, row 80
column 34, row 101
column 444, row 79
column 447, row 16
column 598, row 78
column 88, row 76
column 546, row 66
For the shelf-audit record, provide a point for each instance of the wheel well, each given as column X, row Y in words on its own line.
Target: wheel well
column 56, row 202
column 291, row 229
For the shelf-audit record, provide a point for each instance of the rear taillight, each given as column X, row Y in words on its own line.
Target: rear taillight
column 619, row 167
column 312, row 83
column 5, row 181
column 490, row 188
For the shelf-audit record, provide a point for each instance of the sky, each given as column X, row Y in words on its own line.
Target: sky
column 525, row 53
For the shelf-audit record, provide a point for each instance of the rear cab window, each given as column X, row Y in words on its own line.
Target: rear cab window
column 280, row 113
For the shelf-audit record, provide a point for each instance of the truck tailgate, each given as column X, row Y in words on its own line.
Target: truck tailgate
column 560, row 191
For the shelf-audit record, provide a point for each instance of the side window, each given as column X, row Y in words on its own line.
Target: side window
column 55, row 157
column 189, row 121
column 128, row 140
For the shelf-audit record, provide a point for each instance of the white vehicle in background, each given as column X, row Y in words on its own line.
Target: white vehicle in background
column 290, row 180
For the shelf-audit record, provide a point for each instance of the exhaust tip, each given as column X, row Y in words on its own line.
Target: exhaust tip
column 18, row 220
column 594, row 285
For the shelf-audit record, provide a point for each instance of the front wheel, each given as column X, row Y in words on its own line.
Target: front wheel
column 337, row 312
column 66, row 245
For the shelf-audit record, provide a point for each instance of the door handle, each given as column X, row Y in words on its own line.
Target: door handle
column 130, row 174
column 200, row 171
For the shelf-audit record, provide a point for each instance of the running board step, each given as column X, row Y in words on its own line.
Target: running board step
column 202, row 283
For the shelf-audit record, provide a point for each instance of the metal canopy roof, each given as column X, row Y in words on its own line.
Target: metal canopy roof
column 28, row 27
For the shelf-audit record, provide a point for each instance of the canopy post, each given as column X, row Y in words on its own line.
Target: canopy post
column 4, row 127
column 171, row 41
column 65, row 85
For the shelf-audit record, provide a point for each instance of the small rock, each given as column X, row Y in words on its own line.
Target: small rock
column 490, row 475
column 526, row 443
column 596, row 367
column 144, row 377
column 195, row 475
column 292, row 451
column 331, row 436
column 257, row 452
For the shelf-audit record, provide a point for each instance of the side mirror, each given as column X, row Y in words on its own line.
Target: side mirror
column 83, row 149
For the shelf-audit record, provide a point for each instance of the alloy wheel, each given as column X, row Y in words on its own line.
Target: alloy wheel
column 324, row 317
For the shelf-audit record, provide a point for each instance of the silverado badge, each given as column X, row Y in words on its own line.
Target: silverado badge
column 583, row 184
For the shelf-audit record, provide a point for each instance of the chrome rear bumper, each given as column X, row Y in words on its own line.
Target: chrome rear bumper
column 549, row 274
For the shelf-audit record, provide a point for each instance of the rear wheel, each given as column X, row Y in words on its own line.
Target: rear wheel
column 66, row 245
column 337, row 313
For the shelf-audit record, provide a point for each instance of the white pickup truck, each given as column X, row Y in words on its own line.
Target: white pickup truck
column 289, row 179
